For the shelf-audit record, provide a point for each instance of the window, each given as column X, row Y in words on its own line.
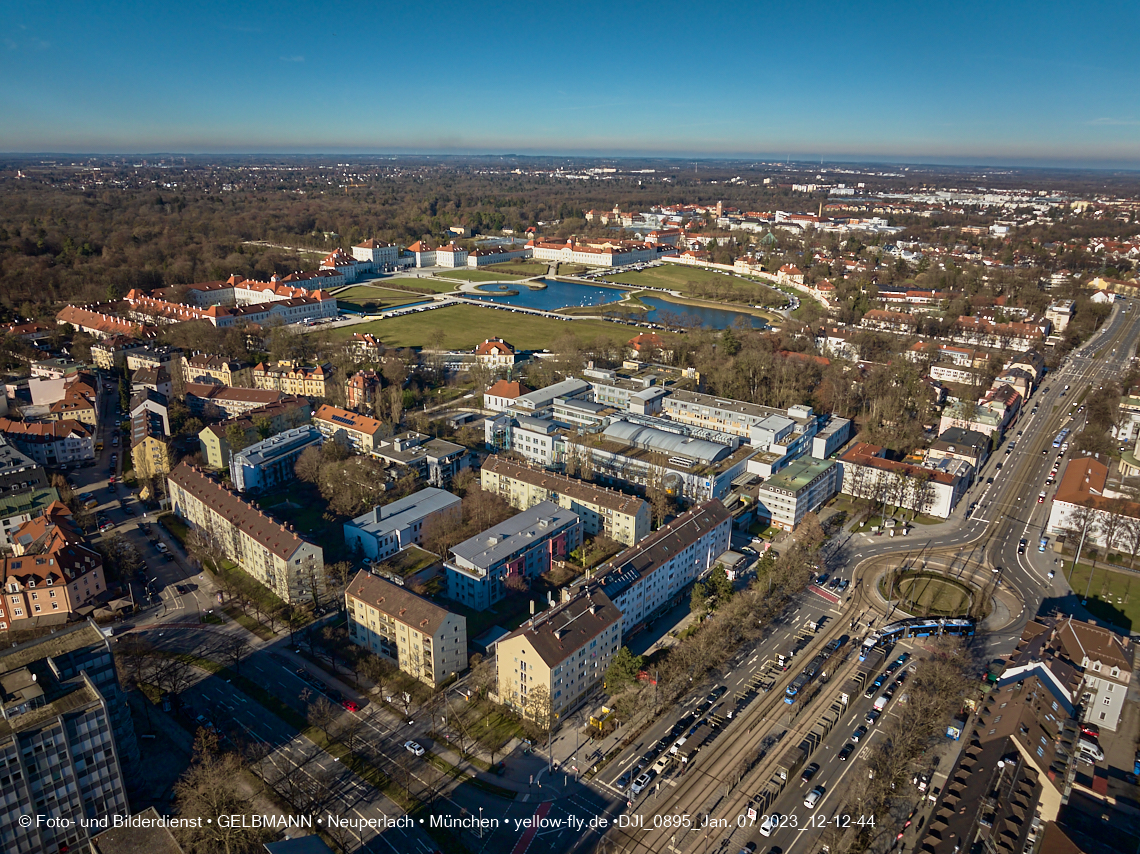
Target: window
column 1108, row 701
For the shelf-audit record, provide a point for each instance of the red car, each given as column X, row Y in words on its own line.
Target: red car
column 350, row 706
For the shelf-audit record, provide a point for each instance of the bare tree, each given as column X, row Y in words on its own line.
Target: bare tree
column 209, row 789
column 321, row 714
column 1130, row 537
column 235, row 648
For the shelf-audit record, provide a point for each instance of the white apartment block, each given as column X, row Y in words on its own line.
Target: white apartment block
column 655, row 574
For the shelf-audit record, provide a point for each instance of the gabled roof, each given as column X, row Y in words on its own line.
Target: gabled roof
column 557, row 634
column 509, row 389
column 265, row 530
column 401, row 604
column 347, row 419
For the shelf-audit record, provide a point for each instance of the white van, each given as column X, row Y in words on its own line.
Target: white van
column 881, row 703
column 1090, row 749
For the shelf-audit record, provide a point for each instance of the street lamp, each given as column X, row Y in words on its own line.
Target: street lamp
column 480, row 822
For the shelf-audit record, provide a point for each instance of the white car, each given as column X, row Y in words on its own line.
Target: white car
column 770, row 823
column 413, row 747
column 813, row 797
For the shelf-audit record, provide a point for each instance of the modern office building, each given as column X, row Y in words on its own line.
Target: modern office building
column 420, row 637
column 800, row 488
column 437, row 461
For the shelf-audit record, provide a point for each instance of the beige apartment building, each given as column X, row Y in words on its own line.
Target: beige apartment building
column 348, row 427
column 565, row 650
column 272, row 552
column 216, row 370
column 309, row 381
column 421, row 638
column 621, row 517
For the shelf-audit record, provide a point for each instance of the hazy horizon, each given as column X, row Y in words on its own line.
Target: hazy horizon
column 975, row 85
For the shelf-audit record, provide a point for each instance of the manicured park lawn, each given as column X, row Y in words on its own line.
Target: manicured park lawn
column 379, row 298
column 697, row 281
column 436, row 286
column 484, row 274
column 1111, row 597
column 519, row 268
column 464, row 326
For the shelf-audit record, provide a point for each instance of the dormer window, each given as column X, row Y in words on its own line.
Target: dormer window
column 49, row 579
column 31, row 582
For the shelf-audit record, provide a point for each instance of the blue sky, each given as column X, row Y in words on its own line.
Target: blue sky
column 1045, row 82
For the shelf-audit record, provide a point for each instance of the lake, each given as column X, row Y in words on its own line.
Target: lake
column 558, row 295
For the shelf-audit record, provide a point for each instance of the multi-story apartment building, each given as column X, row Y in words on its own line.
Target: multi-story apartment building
column 154, row 357
column 287, row 377
column 52, row 574
column 256, row 424
column 155, row 379
column 270, row 462
column 57, row 758
column 653, row 575
column 220, row 401
column 361, row 388
column 420, row 637
column 621, row 517
column 384, row 530
column 150, row 445
column 564, row 650
column 16, row 508
column 523, row 546
column 111, row 353
column 801, row 488
column 18, row 471
column 51, row 443
column 349, row 428
column 435, row 460
column 154, row 402
column 933, row 488
column 272, row 552
column 216, row 370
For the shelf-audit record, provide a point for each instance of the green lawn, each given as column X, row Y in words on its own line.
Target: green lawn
column 700, row 282
column 426, row 282
column 368, row 298
column 411, row 561
column 519, row 268
column 1110, row 596
column 483, row 274
column 465, row 326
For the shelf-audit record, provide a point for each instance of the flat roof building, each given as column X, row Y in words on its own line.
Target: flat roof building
column 385, row 530
column 522, row 546
column 801, row 488
column 270, row 462
column 621, row 517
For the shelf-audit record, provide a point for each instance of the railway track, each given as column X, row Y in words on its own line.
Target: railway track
column 707, row 774
column 708, row 770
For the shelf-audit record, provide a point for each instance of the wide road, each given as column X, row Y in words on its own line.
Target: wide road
column 1005, row 509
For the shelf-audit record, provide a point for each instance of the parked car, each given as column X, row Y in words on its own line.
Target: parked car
column 846, row 752
column 809, row 772
column 860, row 731
column 813, row 797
